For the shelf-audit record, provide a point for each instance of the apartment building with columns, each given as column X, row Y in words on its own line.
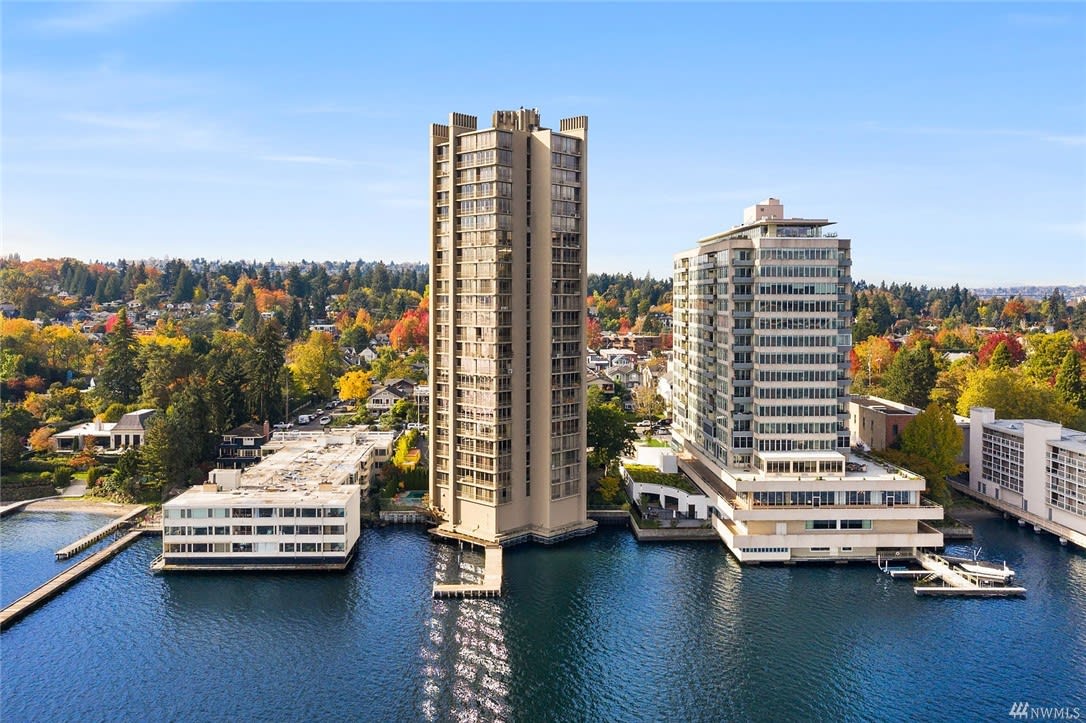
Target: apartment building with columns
column 762, row 323
column 508, row 206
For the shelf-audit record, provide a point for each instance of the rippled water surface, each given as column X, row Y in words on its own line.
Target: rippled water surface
column 599, row 629
column 28, row 541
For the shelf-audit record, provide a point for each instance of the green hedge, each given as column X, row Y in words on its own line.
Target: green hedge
column 647, row 474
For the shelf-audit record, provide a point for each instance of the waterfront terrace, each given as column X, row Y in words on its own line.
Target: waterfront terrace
column 865, row 509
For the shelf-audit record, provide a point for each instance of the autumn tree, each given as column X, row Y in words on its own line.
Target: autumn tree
column 935, row 437
column 870, row 360
column 1014, row 396
column 1046, row 354
column 1014, row 311
column 316, row 364
column 412, row 330
column 354, row 385
column 647, row 403
column 66, row 348
column 992, row 342
column 951, row 381
column 39, row 439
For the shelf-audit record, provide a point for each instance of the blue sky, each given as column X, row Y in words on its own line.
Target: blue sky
column 948, row 141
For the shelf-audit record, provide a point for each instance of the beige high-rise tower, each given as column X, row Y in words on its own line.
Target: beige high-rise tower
column 508, row 227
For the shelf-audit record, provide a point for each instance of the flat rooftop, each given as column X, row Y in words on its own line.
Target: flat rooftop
column 313, row 458
column 295, row 496
column 881, row 406
column 1070, row 439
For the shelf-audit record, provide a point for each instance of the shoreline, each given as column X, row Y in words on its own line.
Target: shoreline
column 79, row 505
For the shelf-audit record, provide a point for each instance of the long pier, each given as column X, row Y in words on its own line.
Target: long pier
column 101, row 533
column 491, row 585
column 1039, row 523
column 43, row 593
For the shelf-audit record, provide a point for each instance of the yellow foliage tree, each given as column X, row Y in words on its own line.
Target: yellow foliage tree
column 39, row 439
column 354, row 385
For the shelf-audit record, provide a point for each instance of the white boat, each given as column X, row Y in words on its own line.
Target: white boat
column 987, row 570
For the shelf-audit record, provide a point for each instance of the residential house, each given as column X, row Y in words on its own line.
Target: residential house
column 81, row 436
column 131, row 430
column 240, row 447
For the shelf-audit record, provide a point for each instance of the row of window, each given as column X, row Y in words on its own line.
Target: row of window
column 798, row 323
column 798, row 289
column 801, row 306
column 238, row 530
column 259, row 547
column 796, row 375
column 837, row 525
column 850, row 497
column 802, row 272
column 790, row 340
column 801, row 254
column 201, row 513
column 796, row 410
column 793, row 359
column 797, row 392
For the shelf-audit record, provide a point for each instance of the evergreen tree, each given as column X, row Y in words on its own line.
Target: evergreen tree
column 1001, row 357
column 1069, row 383
column 1057, row 310
column 250, row 317
column 263, row 368
column 120, row 375
column 184, row 287
column 912, row 376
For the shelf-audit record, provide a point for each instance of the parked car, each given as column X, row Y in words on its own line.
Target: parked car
column 325, row 420
column 283, row 425
column 305, row 418
column 644, row 423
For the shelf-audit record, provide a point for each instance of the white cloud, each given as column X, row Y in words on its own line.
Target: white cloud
column 97, row 17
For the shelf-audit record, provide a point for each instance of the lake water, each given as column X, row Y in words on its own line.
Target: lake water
column 598, row 629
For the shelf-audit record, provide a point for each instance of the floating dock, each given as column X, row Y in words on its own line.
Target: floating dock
column 101, row 533
column 43, row 593
column 491, row 585
column 957, row 583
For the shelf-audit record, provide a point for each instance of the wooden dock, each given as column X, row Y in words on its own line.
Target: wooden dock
column 101, row 533
column 43, row 593
column 491, row 585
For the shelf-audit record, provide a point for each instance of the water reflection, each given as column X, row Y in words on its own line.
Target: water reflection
column 467, row 680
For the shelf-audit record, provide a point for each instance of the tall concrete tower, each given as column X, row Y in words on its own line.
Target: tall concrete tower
column 508, row 280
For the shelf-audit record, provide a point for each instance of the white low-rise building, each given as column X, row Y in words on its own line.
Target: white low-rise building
column 298, row 508
column 1033, row 466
